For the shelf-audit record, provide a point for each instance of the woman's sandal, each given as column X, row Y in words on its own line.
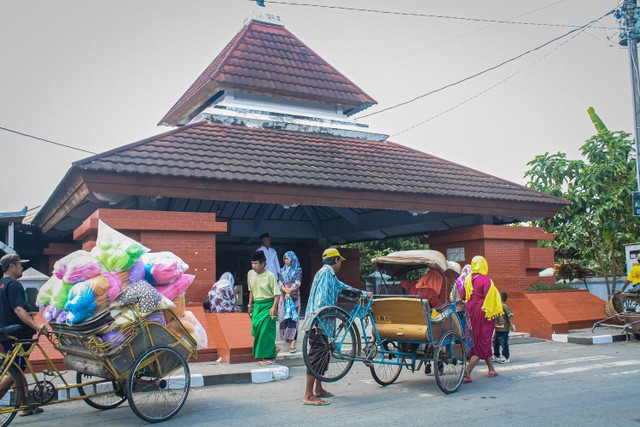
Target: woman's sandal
column 30, row 411
column 492, row 374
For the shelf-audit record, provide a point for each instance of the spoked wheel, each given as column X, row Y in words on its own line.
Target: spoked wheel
column 450, row 358
column 12, row 398
column 382, row 371
column 90, row 385
column 158, row 384
column 329, row 347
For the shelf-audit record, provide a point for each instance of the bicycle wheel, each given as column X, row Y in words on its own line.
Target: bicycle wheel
column 329, row 347
column 449, row 356
column 158, row 384
column 10, row 402
column 100, row 385
column 383, row 373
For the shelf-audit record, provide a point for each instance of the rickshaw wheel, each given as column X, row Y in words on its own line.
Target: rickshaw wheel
column 450, row 358
column 107, row 401
column 385, row 374
column 13, row 397
column 334, row 349
column 158, row 384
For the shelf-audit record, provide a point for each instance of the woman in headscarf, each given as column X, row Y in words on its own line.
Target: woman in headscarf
column 289, row 280
column 222, row 296
column 457, row 294
column 483, row 305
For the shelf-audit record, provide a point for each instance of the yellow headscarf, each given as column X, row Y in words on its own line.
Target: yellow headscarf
column 492, row 305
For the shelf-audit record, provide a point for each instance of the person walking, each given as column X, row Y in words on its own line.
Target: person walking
column 13, row 312
column 504, row 324
column 483, row 305
column 289, row 281
column 264, row 295
column 325, row 291
column 271, row 255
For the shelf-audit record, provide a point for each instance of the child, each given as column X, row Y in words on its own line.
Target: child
column 504, row 323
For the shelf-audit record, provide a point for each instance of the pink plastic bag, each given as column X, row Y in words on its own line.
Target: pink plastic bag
column 176, row 288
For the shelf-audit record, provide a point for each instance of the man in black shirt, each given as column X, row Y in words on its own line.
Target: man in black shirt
column 13, row 312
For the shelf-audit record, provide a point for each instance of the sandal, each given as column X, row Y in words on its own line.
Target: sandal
column 30, row 411
column 266, row 362
column 492, row 374
column 466, row 380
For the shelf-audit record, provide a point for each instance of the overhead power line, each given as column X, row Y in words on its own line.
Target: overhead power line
column 509, row 77
column 428, row 15
column 486, row 70
column 47, row 140
column 459, row 36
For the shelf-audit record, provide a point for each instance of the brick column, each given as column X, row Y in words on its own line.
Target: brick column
column 512, row 253
column 189, row 235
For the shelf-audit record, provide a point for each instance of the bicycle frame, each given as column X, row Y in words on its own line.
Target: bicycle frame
column 376, row 348
column 24, row 348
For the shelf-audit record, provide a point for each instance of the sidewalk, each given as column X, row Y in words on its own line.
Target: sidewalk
column 604, row 334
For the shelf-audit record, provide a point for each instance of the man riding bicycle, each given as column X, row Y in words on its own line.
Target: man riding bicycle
column 13, row 312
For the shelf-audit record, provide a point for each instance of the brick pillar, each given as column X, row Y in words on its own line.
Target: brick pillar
column 189, row 235
column 512, row 253
column 57, row 251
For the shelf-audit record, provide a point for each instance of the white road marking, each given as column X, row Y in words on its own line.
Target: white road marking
column 514, row 366
column 624, row 373
column 577, row 369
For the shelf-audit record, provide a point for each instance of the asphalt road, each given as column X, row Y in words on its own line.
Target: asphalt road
column 547, row 383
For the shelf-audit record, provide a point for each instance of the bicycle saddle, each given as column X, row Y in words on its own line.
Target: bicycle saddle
column 8, row 330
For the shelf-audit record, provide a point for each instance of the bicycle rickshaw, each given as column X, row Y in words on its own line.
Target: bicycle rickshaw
column 389, row 332
column 144, row 363
column 625, row 308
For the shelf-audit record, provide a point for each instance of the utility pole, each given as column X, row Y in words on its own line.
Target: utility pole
column 629, row 37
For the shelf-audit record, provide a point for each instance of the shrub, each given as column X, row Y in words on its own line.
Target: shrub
column 539, row 286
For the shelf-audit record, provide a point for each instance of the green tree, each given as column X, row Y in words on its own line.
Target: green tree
column 599, row 220
column 376, row 248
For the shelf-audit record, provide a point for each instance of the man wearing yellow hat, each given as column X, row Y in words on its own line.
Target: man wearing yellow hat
column 325, row 291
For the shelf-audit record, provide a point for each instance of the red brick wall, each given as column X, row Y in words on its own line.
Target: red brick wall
column 189, row 235
column 512, row 252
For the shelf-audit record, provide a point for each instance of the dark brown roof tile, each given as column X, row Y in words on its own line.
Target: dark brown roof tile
column 267, row 59
column 222, row 152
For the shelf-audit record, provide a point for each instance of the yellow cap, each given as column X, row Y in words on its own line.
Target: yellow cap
column 330, row 253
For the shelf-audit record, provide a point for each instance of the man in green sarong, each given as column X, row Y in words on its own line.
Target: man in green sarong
column 264, row 294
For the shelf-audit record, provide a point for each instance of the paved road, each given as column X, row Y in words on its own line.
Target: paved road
column 547, row 383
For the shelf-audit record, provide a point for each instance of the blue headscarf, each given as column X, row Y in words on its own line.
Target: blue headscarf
column 293, row 272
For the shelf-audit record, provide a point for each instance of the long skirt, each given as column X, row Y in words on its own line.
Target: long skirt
column 482, row 330
column 263, row 329
column 288, row 327
column 319, row 352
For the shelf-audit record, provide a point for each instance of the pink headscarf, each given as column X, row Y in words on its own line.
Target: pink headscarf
column 466, row 270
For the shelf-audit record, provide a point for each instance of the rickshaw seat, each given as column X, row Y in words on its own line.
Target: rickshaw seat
column 403, row 318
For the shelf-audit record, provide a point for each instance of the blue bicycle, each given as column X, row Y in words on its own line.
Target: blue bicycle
column 387, row 333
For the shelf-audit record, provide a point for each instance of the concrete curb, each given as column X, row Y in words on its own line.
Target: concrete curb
column 591, row 340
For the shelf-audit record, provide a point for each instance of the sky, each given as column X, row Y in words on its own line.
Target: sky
column 97, row 75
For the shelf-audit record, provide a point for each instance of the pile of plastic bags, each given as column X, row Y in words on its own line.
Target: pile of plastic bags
column 121, row 270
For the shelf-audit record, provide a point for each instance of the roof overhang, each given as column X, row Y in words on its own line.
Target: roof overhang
column 334, row 214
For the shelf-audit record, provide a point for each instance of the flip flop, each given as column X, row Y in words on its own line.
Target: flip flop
column 31, row 411
column 316, row 404
column 324, row 395
column 294, row 351
column 266, row 362
column 467, row 380
column 492, row 374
